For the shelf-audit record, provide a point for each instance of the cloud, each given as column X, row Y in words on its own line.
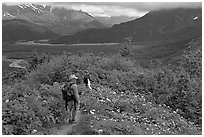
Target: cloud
column 140, row 6
column 167, row 5
column 103, row 10
column 131, row 9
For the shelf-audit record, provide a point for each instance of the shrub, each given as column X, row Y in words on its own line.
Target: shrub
column 109, row 112
column 37, row 59
column 27, row 111
column 127, row 48
column 10, row 77
column 179, row 88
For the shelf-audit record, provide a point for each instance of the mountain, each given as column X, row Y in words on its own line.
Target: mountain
column 59, row 20
column 110, row 21
column 163, row 25
column 17, row 29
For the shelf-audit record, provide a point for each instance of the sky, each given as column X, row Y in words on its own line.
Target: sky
column 131, row 9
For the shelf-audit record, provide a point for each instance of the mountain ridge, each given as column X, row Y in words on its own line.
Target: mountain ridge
column 110, row 21
column 161, row 25
column 60, row 20
column 18, row 29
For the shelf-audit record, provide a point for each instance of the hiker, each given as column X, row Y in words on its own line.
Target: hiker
column 87, row 80
column 71, row 97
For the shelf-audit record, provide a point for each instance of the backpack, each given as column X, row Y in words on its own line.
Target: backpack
column 68, row 92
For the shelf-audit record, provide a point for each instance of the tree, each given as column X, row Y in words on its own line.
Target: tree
column 38, row 59
column 127, row 48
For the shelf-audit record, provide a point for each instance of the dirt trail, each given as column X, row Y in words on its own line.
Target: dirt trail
column 65, row 129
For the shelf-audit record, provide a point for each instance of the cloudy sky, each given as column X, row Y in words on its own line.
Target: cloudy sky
column 131, row 9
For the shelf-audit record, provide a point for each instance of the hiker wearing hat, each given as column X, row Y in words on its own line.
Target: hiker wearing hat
column 71, row 97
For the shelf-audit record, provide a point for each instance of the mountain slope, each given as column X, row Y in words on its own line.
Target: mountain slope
column 59, row 20
column 16, row 29
column 165, row 25
column 110, row 21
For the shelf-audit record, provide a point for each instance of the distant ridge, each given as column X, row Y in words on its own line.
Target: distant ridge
column 163, row 25
column 17, row 29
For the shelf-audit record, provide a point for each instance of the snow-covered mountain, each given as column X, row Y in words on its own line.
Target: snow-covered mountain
column 18, row 10
column 59, row 20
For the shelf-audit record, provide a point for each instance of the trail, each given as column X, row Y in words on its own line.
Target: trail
column 65, row 129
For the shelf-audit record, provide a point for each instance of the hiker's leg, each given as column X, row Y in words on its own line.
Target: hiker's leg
column 70, row 111
column 74, row 111
column 66, row 103
column 69, row 114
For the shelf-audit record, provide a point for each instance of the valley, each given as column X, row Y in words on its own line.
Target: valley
column 144, row 64
column 143, row 52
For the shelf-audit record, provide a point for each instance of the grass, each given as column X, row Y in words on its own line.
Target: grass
column 24, row 51
column 144, row 50
column 160, row 51
column 17, row 51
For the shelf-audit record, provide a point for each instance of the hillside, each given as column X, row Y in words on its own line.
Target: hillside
column 126, row 99
column 110, row 21
column 16, row 29
column 163, row 25
column 59, row 20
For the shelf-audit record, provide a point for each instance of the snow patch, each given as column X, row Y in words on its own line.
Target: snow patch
column 27, row 5
column 44, row 5
column 33, row 7
column 8, row 15
column 36, row 9
column 21, row 6
column 16, row 64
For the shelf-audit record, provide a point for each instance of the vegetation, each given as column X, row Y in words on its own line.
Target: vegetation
column 127, row 48
column 126, row 98
column 25, row 51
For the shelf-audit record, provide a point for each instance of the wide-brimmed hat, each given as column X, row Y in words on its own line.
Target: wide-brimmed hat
column 73, row 77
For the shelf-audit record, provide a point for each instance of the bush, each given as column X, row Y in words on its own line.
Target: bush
column 29, row 111
column 10, row 77
column 38, row 59
column 127, row 48
column 180, row 88
column 109, row 112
